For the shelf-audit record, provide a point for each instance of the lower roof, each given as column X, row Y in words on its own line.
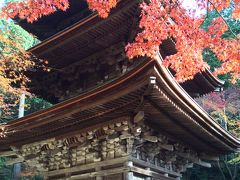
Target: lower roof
column 167, row 105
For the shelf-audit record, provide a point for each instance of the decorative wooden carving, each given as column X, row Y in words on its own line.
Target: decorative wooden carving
column 86, row 73
column 120, row 139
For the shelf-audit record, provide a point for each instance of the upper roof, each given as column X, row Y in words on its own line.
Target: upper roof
column 78, row 39
column 49, row 25
column 169, row 109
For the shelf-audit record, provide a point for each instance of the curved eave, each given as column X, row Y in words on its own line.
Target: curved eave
column 199, row 116
column 202, row 83
column 191, row 119
column 214, row 79
column 65, row 32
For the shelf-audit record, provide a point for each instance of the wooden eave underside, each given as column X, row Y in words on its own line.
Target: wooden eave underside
column 169, row 109
column 94, row 34
column 49, row 25
column 89, row 35
column 202, row 83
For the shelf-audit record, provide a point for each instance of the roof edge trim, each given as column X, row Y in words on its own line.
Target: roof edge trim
column 194, row 106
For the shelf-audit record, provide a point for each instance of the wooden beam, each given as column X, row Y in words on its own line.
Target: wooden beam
column 190, row 165
column 138, row 117
column 151, row 173
column 7, row 153
column 154, row 167
column 153, row 139
column 188, row 156
column 43, row 142
column 128, row 175
column 97, row 169
column 100, row 173
column 168, row 147
column 204, row 164
column 209, row 157
column 13, row 161
column 87, row 166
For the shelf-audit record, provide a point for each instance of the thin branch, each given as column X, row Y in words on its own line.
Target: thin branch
column 220, row 169
column 235, row 171
column 50, row 68
column 229, row 170
column 207, row 9
column 224, row 20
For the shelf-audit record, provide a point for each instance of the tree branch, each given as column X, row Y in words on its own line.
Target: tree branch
column 229, row 170
column 224, row 20
column 220, row 169
column 207, row 9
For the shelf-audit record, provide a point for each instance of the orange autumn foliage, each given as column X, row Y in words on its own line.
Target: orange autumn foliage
column 161, row 19
column 103, row 7
column 32, row 10
column 14, row 62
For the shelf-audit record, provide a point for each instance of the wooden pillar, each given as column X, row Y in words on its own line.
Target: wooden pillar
column 97, row 169
column 128, row 175
column 148, row 178
column 166, row 174
column 45, row 177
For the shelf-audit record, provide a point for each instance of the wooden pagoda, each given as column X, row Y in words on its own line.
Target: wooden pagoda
column 114, row 119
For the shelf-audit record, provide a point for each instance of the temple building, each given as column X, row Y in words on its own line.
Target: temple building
column 114, row 119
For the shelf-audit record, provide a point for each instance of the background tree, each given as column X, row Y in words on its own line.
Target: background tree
column 224, row 107
column 14, row 62
column 234, row 24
